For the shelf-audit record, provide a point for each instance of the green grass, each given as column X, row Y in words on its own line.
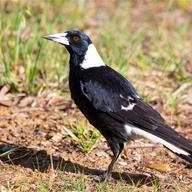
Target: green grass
column 85, row 138
column 29, row 63
column 24, row 54
column 79, row 183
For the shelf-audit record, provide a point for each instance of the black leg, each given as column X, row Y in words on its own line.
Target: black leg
column 116, row 149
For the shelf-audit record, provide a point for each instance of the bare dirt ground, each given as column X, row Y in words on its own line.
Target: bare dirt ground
column 33, row 134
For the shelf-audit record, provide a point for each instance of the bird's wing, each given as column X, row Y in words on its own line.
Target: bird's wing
column 111, row 93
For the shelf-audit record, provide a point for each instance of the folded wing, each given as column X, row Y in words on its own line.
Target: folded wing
column 111, row 93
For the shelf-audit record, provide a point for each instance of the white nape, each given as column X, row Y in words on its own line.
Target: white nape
column 133, row 131
column 92, row 58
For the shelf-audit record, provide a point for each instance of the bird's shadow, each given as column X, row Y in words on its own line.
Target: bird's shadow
column 40, row 160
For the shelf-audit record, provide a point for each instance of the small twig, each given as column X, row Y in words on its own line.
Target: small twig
column 143, row 146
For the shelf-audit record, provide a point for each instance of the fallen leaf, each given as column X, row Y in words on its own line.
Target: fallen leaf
column 4, row 90
column 6, row 103
column 163, row 167
column 3, row 100
column 26, row 101
column 123, row 163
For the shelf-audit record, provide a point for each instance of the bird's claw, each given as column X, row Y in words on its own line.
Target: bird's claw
column 104, row 177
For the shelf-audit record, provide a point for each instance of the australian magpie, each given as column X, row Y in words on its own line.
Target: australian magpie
column 110, row 102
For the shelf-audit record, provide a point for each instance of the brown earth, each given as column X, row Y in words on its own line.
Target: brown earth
column 33, row 134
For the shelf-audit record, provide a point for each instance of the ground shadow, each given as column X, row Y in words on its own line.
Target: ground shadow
column 40, row 160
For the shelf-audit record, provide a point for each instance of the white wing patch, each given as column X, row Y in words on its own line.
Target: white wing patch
column 133, row 131
column 92, row 58
column 130, row 105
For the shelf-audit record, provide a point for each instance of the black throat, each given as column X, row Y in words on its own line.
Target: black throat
column 75, row 60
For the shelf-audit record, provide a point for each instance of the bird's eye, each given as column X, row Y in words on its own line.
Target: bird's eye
column 76, row 38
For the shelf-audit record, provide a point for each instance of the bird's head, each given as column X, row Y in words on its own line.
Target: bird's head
column 76, row 42
column 80, row 47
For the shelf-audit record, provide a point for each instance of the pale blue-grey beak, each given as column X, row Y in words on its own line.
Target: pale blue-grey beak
column 58, row 37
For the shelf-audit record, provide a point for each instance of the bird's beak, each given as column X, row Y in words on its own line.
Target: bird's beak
column 58, row 37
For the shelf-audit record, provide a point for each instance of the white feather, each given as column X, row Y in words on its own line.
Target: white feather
column 92, row 58
column 130, row 106
column 134, row 131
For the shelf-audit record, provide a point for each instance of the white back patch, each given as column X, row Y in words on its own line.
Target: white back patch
column 134, row 131
column 92, row 58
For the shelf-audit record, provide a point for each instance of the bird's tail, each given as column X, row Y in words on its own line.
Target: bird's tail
column 181, row 147
column 170, row 139
column 177, row 144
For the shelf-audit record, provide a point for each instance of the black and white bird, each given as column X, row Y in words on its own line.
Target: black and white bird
column 110, row 102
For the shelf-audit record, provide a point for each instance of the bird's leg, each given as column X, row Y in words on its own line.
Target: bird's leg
column 116, row 149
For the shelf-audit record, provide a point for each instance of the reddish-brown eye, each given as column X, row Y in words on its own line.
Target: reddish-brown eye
column 76, row 38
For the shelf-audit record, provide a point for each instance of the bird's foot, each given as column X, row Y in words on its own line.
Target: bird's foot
column 104, row 177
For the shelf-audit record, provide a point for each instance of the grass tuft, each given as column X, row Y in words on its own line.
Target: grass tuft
column 85, row 138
